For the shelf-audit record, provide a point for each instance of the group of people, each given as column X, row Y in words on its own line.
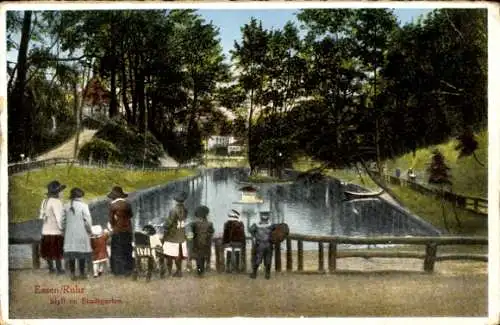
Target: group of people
column 68, row 233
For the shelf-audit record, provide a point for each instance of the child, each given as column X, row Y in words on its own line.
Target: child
column 154, row 241
column 98, row 242
column 203, row 231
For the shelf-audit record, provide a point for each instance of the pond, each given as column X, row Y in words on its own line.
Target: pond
column 315, row 208
column 308, row 207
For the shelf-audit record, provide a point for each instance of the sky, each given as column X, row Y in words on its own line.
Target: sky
column 229, row 22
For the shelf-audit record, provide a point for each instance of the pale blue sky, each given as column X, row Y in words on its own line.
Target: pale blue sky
column 230, row 21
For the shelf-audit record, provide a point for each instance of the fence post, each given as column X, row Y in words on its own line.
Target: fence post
column 289, row 261
column 243, row 265
column 476, row 205
column 35, row 255
column 277, row 257
column 218, row 262
column 332, row 256
column 321, row 258
column 430, row 257
column 300, row 255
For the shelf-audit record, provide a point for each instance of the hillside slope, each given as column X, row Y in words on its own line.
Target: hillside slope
column 65, row 150
column 468, row 176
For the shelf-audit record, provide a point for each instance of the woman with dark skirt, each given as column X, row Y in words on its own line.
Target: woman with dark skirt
column 120, row 220
column 51, row 212
column 77, row 223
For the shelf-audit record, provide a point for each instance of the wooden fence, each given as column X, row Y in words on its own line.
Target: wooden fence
column 477, row 205
column 26, row 166
column 327, row 248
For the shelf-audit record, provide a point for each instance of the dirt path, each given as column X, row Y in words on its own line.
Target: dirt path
column 65, row 150
column 376, row 287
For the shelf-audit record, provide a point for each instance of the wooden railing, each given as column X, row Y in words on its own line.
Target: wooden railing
column 475, row 204
column 37, row 164
column 331, row 245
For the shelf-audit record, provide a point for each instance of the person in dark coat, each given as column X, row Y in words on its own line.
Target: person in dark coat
column 120, row 220
column 203, row 231
column 233, row 240
column 261, row 233
column 175, row 246
column 51, row 212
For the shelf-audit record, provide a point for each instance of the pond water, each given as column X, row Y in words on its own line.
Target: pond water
column 314, row 208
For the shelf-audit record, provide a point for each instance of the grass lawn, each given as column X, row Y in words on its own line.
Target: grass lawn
column 266, row 179
column 28, row 189
column 426, row 207
column 468, row 176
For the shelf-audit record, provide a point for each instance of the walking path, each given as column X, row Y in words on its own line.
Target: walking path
column 360, row 287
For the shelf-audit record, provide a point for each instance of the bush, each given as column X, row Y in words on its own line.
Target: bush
column 131, row 145
column 99, row 150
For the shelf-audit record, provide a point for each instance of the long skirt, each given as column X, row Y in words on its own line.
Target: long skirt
column 51, row 247
column 121, row 261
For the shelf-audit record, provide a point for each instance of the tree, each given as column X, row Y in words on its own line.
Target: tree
column 439, row 175
column 249, row 59
column 467, row 145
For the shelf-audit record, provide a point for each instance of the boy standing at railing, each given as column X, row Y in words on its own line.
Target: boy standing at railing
column 261, row 234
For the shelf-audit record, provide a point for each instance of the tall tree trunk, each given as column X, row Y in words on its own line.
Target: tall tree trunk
column 19, row 115
column 77, row 119
column 249, row 146
column 132, row 71
column 141, row 100
column 78, row 108
column 380, row 184
column 113, row 104
column 123, row 77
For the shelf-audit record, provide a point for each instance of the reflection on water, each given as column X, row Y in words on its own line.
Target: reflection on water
column 314, row 208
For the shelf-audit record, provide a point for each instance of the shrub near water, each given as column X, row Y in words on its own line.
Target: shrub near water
column 27, row 190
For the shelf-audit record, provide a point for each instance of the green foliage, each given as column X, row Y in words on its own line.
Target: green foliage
column 99, row 150
column 130, row 144
column 439, row 170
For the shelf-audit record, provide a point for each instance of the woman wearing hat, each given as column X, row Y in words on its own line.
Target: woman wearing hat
column 203, row 231
column 51, row 212
column 77, row 223
column 175, row 246
column 120, row 220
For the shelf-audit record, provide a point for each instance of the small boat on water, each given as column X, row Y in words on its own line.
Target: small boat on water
column 358, row 195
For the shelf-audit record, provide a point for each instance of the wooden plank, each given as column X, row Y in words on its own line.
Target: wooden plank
column 277, row 257
column 430, row 257
column 461, row 257
column 321, row 258
column 417, row 240
column 289, row 260
column 332, row 257
column 300, row 255
column 379, row 254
